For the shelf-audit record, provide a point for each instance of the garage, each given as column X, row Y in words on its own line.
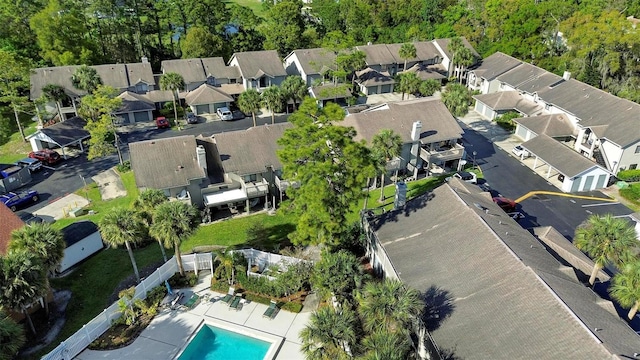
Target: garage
column 372, row 90
column 386, row 89
column 206, row 99
column 142, row 116
column 64, row 134
column 553, row 125
column 580, row 173
column 521, row 132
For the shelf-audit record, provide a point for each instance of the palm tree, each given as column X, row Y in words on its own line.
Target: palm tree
column 456, row 98
column 121, row 226
column 387, row 145
column 407, row 82
column 145, row 205
column 11, row 336
column 337, row 274
column 23, row 278
column 329, row 333
column 174, row 222
column 173, row 82
column 384, row 345
column 429, row 87
column 272, row 100
column 606, row 240
column 250, row 102
column 455, row 47
column 407, row 51
column 86, row 78
column 625, row 287
column 465, row 59
column 42, row 240
column 55, row 93
column 294, row 88
column 226, row 268
column 388, row 304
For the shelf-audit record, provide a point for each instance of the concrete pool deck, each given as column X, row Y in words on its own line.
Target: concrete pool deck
column 170, row 330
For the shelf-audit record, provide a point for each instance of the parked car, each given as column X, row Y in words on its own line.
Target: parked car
column 192, row 118
column 30, row 163
column 519, row 151
column 28, row 218
column 224, row 113
column 505, row 204
column 47, row 156
column 15, row 200
column 162, row 123
column 466, row 177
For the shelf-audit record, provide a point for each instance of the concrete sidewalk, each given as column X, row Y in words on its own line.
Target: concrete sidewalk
column 60, row 208
column 110, row 185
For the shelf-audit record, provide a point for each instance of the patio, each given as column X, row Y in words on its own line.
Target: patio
column 170, row 330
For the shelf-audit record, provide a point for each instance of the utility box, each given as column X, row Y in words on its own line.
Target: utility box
column 401, row 195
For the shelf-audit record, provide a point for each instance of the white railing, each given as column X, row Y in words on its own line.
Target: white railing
column 77, row 342
column 263, row 260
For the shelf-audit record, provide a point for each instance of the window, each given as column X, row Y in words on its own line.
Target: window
column 141, row 88
column 263, row 82
column 547, row 106
column 633, row 166
column 233, row 81
column 211, row 80
column 250, row 178
column 637, row 149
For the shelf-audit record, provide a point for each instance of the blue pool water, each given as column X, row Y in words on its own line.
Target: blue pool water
column 212, row 343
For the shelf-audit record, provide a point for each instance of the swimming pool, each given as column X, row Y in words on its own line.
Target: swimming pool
column 212, row 342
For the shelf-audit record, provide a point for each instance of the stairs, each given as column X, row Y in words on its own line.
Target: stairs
column 600, row 160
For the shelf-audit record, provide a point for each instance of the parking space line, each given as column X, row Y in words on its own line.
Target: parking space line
column 601, row 204
column 48, row 167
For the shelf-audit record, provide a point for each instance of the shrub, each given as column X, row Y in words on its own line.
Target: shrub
column 631, row 193
column 178, row 281
column 294, row 307
column 155, row 295
column 506, row 121
column 124, row 167
column 629, row 175
column 258, row 298
column 219, row 286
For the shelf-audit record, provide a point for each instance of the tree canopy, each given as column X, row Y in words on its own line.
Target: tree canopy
column 331, row 168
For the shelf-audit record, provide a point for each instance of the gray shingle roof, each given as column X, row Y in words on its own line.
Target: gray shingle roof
column 78, row 231
column 315, row 61
column 250, row 151
column 554, row 125
column 133, row 102
column 371, row 77
column 68, row 131
column 191, row 70
column 428, row 72
column 379, row 54
column 165, row 163
column 437, row 122
column 529, row 78
column 509, row 100
column 114, row 75
column 140, row 72
column 444, row 44
column 59, row 75
column 509, row 298
column 495, row 65
column 218, row 69
column 206, row 94
column 254, row 64
column 561, row 157
column 595, row 107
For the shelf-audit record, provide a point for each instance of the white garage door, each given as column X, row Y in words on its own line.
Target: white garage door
column 521, row 132
column 202, row 109
column 588, row 181
column 479, row 107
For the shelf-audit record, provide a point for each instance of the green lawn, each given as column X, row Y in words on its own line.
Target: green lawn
column 255, row 5
column 93, row 282
column 102, row 207
column 16, row 149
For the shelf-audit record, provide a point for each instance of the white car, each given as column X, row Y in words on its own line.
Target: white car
column 224, row 113
column 466, row 177
column 519, row 151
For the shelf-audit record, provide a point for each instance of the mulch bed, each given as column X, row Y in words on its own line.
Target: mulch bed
column 121, row 335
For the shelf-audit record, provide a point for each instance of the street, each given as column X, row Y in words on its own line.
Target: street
column 508, row 177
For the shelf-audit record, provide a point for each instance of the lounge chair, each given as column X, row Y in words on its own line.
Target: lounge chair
column 272, row 311
column 235, row 303
column 227, row 298
column 192, row 302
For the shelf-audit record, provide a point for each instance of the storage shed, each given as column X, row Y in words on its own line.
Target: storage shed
column 83, row 240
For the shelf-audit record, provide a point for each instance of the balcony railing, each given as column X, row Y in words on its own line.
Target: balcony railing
column 283, row 185
column 254, row 189
column 452, row 153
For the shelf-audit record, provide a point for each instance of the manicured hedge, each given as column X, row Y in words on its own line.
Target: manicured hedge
column 294, row 307
column 629, row 175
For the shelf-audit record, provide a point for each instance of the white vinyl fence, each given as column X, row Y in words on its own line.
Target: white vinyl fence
column 263, row 260
column 77, row 342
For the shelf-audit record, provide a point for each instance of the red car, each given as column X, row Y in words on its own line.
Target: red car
column 47, row 156
column 161, row 122
column 505, row 204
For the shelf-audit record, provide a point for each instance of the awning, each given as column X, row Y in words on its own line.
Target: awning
column 225, row 197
